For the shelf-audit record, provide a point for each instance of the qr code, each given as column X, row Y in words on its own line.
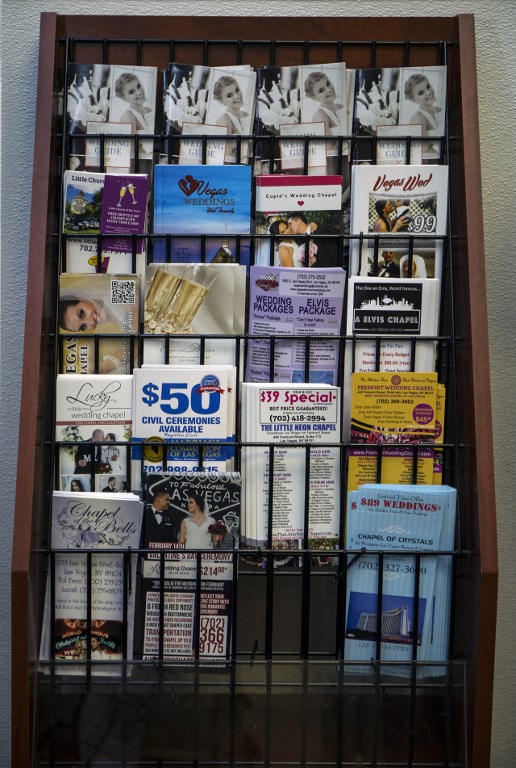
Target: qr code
column 123, row 292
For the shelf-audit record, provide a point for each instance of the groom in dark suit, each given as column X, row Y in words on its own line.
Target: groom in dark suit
column 160, row 523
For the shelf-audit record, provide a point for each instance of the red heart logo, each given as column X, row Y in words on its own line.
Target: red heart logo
column 188, row 185
column 300, row 203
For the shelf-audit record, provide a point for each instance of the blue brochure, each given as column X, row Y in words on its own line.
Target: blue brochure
column 190, row 201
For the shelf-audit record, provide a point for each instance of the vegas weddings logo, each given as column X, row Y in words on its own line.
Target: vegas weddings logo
column 201, row 192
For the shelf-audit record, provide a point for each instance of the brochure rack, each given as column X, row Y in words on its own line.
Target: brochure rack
column 285, row 697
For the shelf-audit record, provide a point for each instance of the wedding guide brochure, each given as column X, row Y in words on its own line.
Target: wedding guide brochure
column 118, row 95
column 310, row 100
column 208, row 101
column 390, row 101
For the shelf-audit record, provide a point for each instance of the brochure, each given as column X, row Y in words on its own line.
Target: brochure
column 392, row 427
column 294, row 302
column 185, row 304
column 190, row 201
column 290, row 417
column 91, row 521
column 183, row 419
column 93, row 424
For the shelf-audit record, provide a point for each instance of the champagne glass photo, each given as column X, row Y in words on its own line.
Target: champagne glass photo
column 123, row 190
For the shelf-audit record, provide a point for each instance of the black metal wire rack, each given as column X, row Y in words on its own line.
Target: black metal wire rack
column 285, row 696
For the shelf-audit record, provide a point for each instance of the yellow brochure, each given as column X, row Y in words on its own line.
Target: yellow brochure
column 392, row 426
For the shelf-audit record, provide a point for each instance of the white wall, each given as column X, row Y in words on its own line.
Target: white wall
column 495, row 36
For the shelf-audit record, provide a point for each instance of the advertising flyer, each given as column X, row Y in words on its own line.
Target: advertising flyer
column 103, row 305
column 299, row 220
column 391, row 415
column 291, row 417
column 184, row 512
column 295, row 302
column 199, row 200
column 185, row 302
column 183, row 418
column 394, row 519
column 93, row 421
column 91, row 521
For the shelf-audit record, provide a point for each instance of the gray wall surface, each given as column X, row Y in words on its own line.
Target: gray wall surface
column 496, row 43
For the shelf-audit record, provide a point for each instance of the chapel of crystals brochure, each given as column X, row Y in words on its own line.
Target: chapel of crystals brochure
column 415, row 612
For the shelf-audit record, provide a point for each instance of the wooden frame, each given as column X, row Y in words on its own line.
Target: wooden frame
column 476, row 591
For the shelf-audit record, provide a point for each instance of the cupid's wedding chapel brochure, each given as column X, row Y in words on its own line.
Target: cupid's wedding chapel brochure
column 298, row 221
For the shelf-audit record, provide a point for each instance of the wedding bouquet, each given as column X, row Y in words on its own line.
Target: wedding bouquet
column 87, row 103
column 377, row 107
column 276, row 107
column 185, row 103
